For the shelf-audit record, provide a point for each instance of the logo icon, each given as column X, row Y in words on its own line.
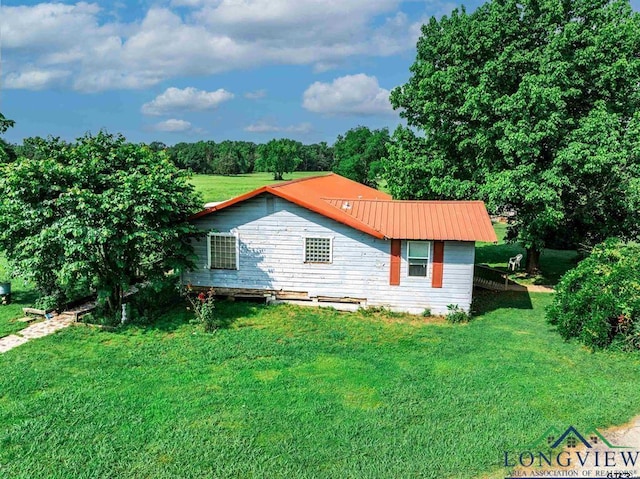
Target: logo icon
column 569, row 452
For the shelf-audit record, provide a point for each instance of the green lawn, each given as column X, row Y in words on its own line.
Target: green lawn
column 305, row 393
column 553, row 263
column 219, row 188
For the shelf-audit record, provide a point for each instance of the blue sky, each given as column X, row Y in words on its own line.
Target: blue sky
column 189, row 70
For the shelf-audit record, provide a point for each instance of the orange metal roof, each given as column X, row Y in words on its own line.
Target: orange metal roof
column 422, row 220
column 374, row 212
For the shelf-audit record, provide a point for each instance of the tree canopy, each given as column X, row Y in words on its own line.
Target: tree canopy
column 97, row 215
column 279, row 157
column 532, row 106
column 7, row 152
column 358, row 154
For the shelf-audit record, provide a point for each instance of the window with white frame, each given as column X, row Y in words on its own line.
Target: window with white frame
column 418, row 255
column 317, row 250
column 223, row 251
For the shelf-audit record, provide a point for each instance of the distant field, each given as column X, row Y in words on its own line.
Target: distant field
column 220, row 188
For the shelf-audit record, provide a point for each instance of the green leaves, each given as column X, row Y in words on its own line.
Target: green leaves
column 279, row 157
column 95, row 216
column 529, row 106
column 7, row 152
column 599, row 301
column 358, row 154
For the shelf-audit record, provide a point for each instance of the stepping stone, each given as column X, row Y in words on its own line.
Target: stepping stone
column 10, row 342
column 26, row 319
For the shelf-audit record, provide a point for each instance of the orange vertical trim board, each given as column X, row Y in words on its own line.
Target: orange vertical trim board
column 438, row 261
column 394, row 273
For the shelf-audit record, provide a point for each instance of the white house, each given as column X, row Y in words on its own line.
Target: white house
column 327, row 240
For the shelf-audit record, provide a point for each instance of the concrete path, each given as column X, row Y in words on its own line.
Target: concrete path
column 627, row 436
column 37, row 330
column 531, row 288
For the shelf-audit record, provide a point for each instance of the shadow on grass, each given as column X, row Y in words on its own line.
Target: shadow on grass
column 485, row 301
column 24, row 297
column 230, row 311
column 180, row 313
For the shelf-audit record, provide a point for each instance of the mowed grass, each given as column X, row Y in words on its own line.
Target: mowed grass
column 553, row 263
column 306, row 393
column 220, row 188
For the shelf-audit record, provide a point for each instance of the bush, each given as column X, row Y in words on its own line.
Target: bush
column 457, row 315
column 598, row 302
column 152, row 299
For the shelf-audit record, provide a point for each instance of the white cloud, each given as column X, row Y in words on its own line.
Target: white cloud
column 256, row 95
column 35, row 79
column 348, row 95
column 265, row 127
column 213, row 36
column 187, row 99
column 172, row 125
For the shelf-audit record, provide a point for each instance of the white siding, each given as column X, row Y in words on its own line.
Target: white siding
column 272, row 257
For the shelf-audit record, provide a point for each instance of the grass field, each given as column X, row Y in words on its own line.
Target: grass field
column 220, row 188
column 305, row 393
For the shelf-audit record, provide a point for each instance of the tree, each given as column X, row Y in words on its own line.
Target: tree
column 358, row 153
column 279, row 157
column 316, row 157
column 95, row 216
column 7, row 152
column 157, row 146
column 532, row 106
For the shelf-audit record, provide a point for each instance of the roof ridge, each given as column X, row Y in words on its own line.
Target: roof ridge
column 298, row 180
column 382, row 200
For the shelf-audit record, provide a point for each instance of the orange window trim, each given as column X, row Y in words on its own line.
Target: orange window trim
column 438, row 261
column 394, row 273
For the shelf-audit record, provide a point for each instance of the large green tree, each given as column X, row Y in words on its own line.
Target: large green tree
column 531, row 105
column 358, row 153
column 7, row 152
column 95, row 216
column 279, row 157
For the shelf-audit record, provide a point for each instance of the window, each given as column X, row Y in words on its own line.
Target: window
column 223, row 251
column 418, row 257
column 317, row 250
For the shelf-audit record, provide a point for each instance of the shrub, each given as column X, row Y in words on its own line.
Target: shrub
column 456, row 314
column 598, row 302
column 153, row 298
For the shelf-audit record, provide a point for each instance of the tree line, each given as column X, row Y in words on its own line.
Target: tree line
column 357, row 154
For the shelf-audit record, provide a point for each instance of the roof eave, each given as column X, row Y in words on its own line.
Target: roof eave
column 353, row 223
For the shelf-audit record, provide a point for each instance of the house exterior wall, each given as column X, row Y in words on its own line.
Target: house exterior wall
column 271, row 247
